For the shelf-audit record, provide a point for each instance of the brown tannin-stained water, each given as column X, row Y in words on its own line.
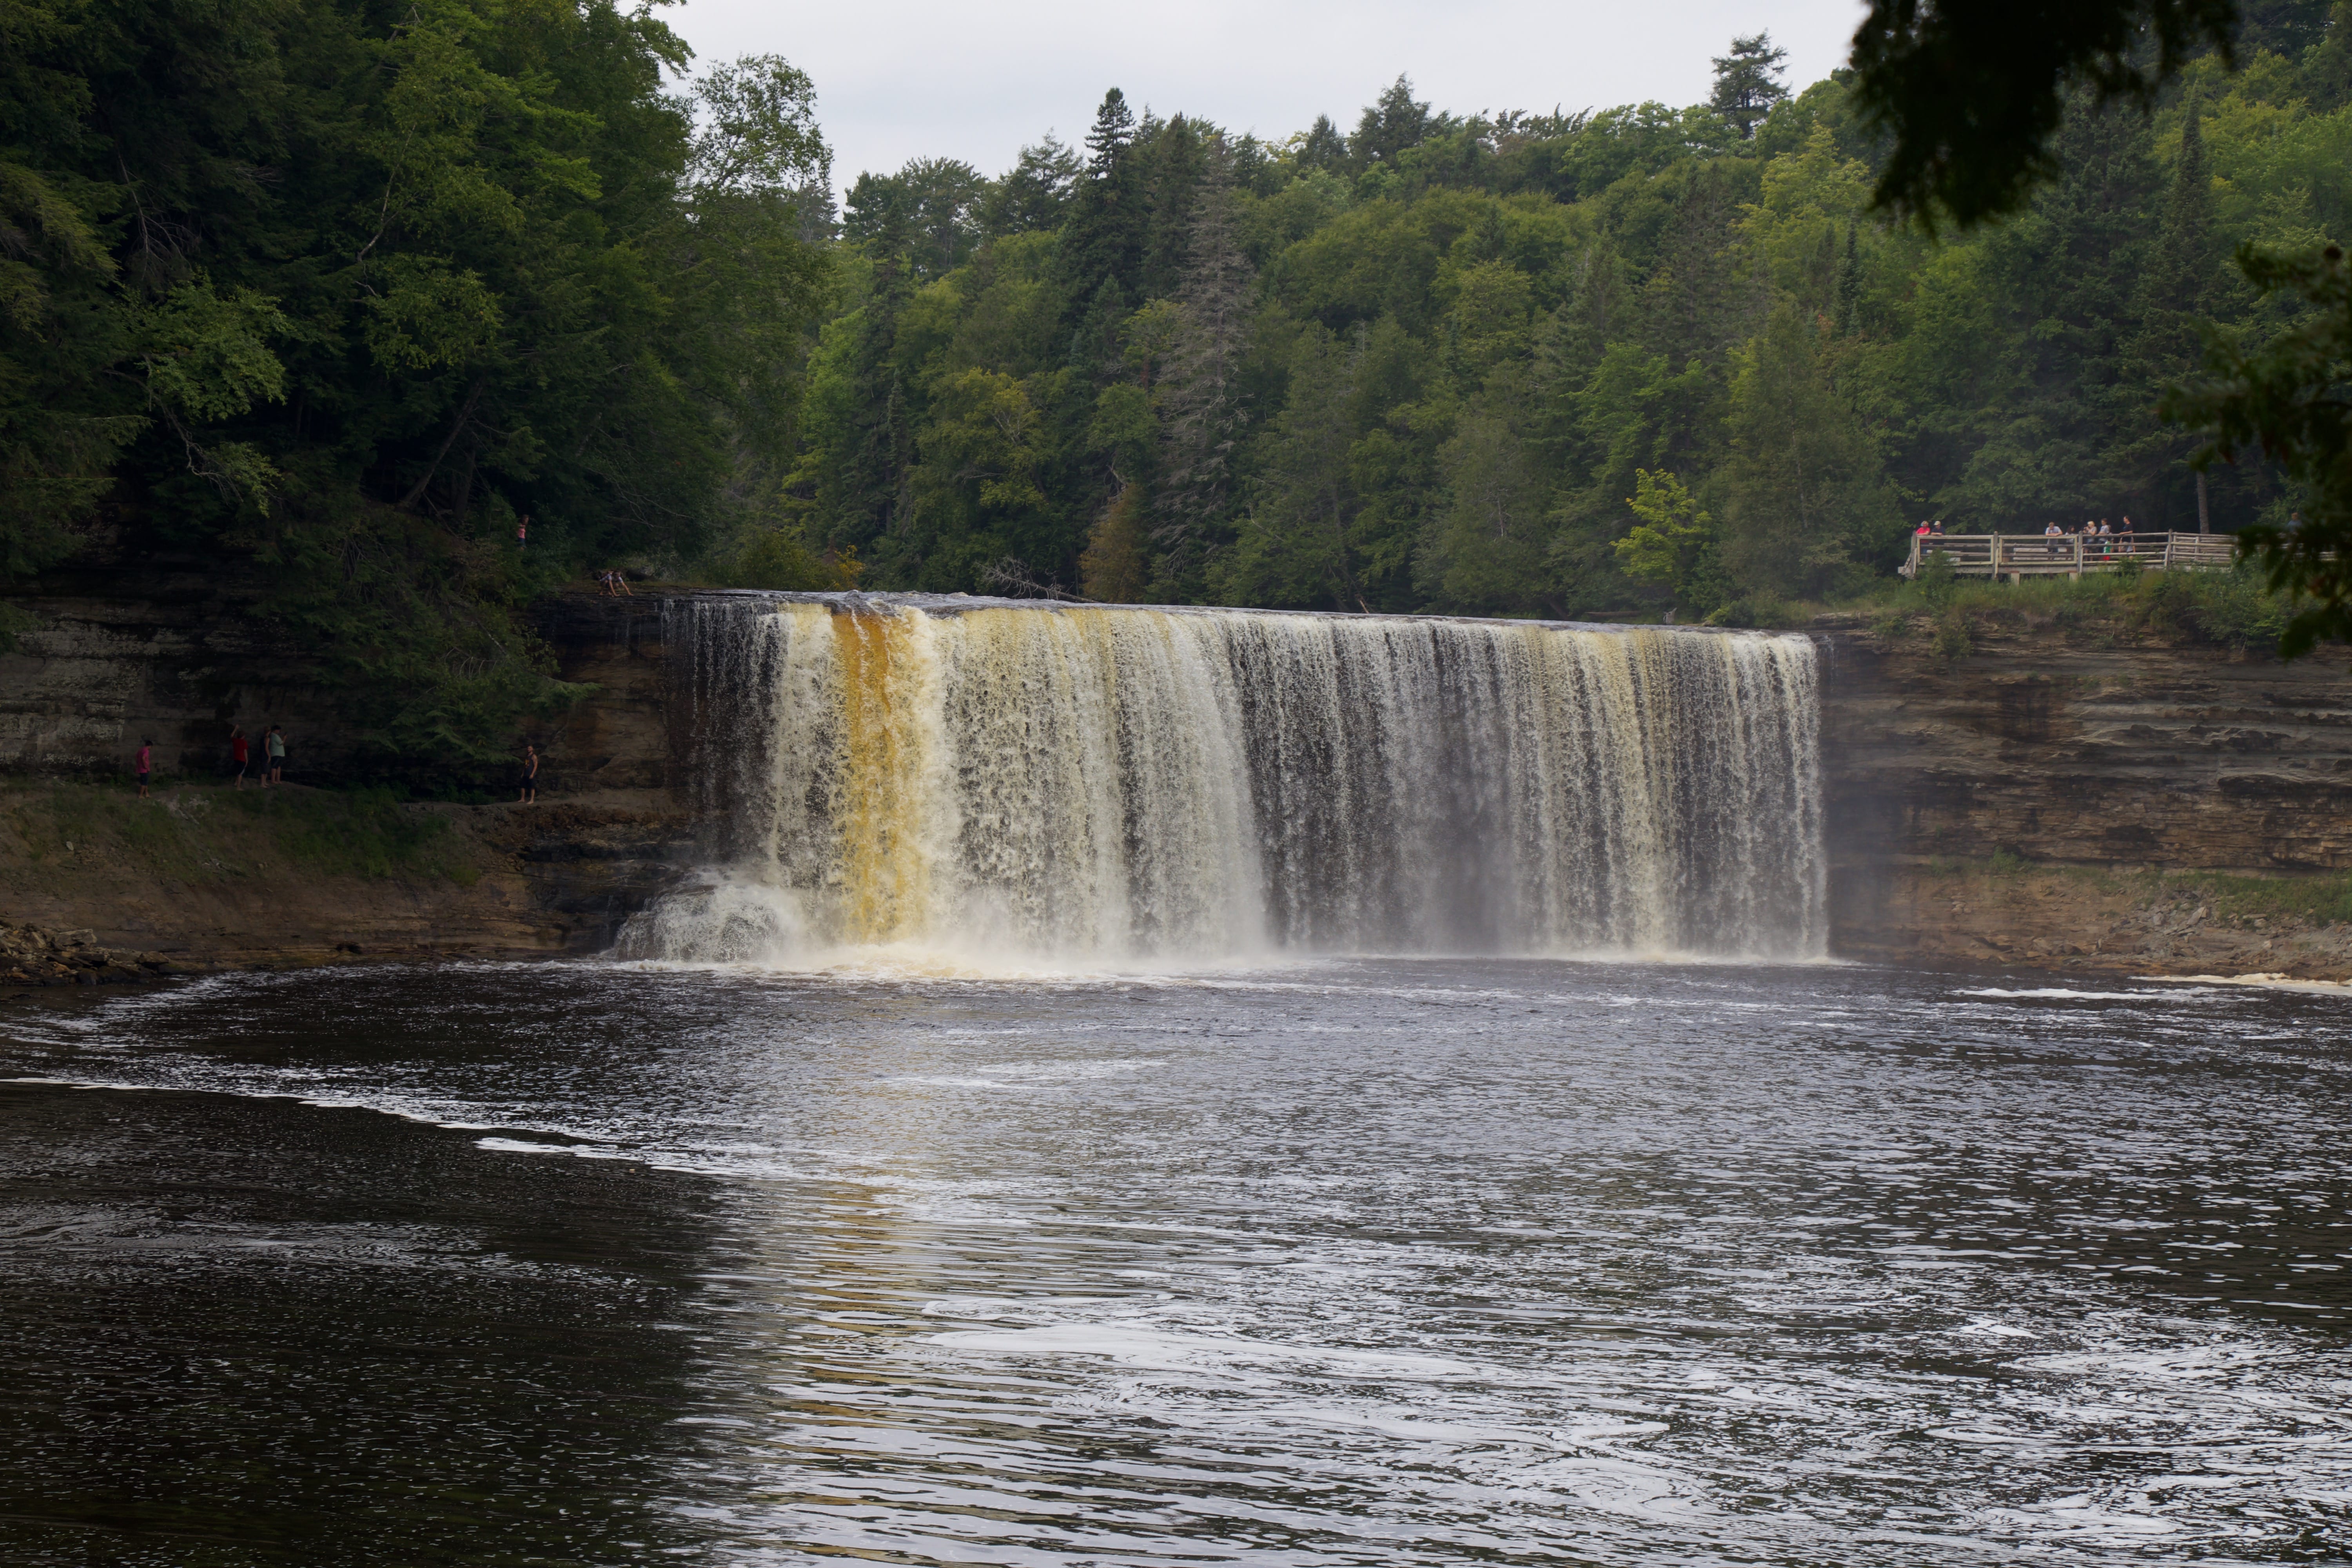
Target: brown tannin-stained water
column 1393, row 1261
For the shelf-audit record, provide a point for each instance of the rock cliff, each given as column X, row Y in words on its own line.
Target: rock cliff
column 2125, row 804
column 159, row 649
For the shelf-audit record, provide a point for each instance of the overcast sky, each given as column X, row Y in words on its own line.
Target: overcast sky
column 977, row 79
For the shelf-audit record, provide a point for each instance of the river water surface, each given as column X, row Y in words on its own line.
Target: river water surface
column 1347, row 1262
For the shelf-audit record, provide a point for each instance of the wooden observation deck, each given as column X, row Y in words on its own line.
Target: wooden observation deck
column 2018, row 556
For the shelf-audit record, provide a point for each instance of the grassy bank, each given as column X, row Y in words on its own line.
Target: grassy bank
column 2227, row 609
column 2318, row 899
column 199, row 833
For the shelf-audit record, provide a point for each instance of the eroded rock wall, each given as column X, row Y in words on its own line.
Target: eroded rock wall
column 2015, row 802
column 113, row 653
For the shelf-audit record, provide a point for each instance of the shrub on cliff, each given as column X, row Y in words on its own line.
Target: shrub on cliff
column 2232, row 609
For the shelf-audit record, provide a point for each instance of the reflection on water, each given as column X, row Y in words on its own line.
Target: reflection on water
column 1353, row 1262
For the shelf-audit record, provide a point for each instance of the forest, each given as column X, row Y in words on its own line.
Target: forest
column 1541, row 364
column 342, row 294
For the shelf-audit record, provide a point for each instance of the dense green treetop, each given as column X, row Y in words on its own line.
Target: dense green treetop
column 1448, row 349
column 348, row 289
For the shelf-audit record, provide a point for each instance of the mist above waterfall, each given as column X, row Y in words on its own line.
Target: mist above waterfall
column 1083, row 784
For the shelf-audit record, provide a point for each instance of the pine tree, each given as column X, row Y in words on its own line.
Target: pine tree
column 1323, row 147
column 2180, row 287
column 1175, row 159
column 1806, row 507
column 1294, row 546
column 1033, row 193
column 1201, row 386
column 1393, row 122
column 1111, row 568
column 1849, row 285
column 1699, row 301
column 1103, row 241
column 1748, row 83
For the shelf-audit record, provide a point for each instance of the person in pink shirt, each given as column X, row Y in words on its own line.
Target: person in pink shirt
column 146, row 763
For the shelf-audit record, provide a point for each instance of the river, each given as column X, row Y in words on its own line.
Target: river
column 1332, row 1261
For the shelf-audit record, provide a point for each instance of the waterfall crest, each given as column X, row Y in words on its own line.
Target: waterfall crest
column 1083, row 783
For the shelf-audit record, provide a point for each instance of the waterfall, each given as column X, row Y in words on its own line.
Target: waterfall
column 1085, row 784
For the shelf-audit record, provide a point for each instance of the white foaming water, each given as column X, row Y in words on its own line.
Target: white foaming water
column 994, row 784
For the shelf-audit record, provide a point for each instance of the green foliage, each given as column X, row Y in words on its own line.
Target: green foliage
column 2286, row 400
column 1937, row 584
column 1424, row 366
column 1673, row 540
column 2226, row 609
column 1970, row 96
column 1112, row 569
column 2232, row 609
column 1762, row 610
column 1954, row 634
column 344, row 297
column 780, row 558
column 341, row 294
column 1748, row 83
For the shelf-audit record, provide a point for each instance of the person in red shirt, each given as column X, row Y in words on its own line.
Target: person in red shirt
column 239, row 751
column 146, row 763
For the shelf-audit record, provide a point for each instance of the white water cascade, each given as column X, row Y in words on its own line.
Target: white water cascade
column 1026, row 779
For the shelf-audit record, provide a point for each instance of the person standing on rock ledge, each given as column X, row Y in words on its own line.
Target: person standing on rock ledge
column 146, row 763
column 529, row 793
column 239, row 751
column 274, row 744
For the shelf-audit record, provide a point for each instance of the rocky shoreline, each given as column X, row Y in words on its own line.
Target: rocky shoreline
column 30, row 955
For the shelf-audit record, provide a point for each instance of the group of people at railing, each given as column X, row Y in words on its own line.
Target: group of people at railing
column 2096, row 537
column 2093, row 527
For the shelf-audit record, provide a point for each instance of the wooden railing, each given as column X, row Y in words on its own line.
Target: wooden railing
column 2017, row 556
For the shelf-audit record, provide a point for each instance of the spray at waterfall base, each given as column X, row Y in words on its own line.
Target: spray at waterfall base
column 1095, row 785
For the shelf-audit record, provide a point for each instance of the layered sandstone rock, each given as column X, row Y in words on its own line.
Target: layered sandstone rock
column 114, row 657
column 2025, row 800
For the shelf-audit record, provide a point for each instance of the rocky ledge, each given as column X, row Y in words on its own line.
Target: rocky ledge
column 30, row 955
